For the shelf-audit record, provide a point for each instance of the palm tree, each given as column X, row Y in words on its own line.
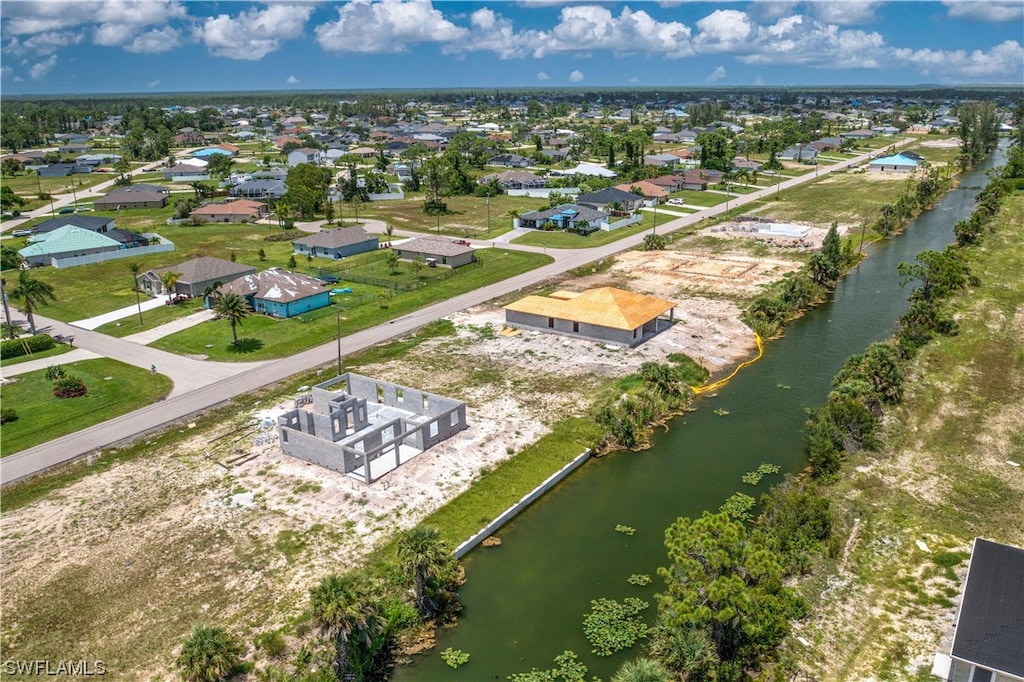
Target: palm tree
column 425, row 559
column 389, row 232
column 169, row 279
column 233, row 308
column 7, row 310
column 344, row 609
column 32, row 293
column 209, row 654
column 136, row 268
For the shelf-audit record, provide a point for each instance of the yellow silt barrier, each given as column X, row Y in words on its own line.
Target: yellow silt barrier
column 722, row 382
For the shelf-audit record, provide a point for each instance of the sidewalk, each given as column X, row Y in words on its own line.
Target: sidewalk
column 150, row 335
column 120, row 314
column 62, row 359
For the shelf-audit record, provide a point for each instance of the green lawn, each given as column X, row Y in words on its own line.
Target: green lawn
column 28, row 184
column 114, row 389
column 846, row 197
column 274, row 338
column 58, row 349
column 695, row 198
column 467, row 216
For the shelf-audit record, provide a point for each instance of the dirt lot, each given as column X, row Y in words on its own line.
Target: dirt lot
column 226, row 529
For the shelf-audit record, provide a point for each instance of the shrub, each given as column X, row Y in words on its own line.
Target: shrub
column 18, row 347
column 54, row 372
column 272, row 644
column 69, row 387
column 8, row 414
column 654, row 242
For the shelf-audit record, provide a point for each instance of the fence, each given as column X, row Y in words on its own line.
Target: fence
column 634, row 218
column 72, row 261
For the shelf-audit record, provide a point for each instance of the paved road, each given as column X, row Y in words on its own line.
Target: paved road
column 205, row 385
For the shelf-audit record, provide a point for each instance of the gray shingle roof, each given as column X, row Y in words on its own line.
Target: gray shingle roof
column 339, row 236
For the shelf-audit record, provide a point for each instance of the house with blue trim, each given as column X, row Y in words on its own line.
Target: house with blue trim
column 280, row 293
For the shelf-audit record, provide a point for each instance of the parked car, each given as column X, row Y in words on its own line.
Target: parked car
column 462, row 242
column 22, row 233
column 67, row 209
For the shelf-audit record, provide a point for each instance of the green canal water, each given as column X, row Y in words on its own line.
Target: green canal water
column 524, row 601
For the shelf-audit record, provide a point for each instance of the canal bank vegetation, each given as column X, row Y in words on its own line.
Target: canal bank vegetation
column 872, row 536
column 938, row 417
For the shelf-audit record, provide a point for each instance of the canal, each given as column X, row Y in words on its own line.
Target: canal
column 524, row 601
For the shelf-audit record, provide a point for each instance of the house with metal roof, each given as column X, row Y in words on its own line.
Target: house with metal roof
column 895, row 163
column 280, row 293
column 605, row 315
column 988, row 642
column 337, row 243
column 436, row 251
column 260, row 189
column 66, row 242
column 605, row 198
column 86, row 222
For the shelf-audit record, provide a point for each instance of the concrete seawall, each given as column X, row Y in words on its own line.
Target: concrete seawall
column 528, row 499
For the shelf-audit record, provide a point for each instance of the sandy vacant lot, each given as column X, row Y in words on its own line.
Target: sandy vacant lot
column 226, row 529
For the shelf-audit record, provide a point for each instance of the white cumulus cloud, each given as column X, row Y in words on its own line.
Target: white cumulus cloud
column 596, row 28
column 844, row 11
column 1002, row 61
column 254, row 33
column 987, row 10
column 576, row 76
column 388, row 26
column 541, row 76
column 39, row 70
column 155, row 41
column 716, row 75
column 291, row 80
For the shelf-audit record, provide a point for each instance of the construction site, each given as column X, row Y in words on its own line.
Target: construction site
column 238, row 529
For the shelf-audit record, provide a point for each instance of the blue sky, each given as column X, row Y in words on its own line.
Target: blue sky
column 108, row 46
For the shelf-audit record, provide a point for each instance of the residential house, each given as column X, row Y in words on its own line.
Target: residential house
column 988, row 643
column 828, row 144
column 605, row 198
column 280, row 293
column 571, row 217
column 305, row 155
column 649, row 190
column 337, row 243
column 127, row 239
column 860, row 134
column 741, row 164
column 260, row 189
column 436, row 251
column 669, row 183
column 62, row 170
column 133, row 196
column 86, row 222
column 895, row 163
column 586, row 169
column 185, row 172
column 236, row 211
column 662, row 160
column 364, row 152
column 65, row 242
column 509, row 161
column 604, row 315
column 556, row 155
column 195, row 276
column 802, row 153
column 699, row 178
column 515, row 179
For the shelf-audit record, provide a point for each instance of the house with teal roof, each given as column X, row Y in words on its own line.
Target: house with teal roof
column 897, row 163
column 66, row 242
